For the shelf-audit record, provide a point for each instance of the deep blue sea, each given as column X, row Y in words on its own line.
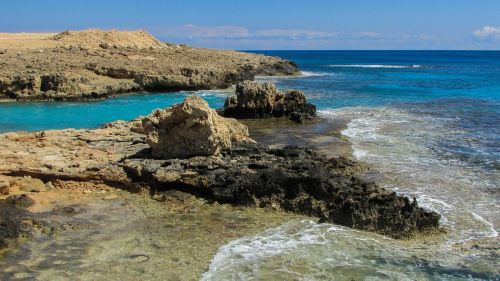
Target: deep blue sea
column 428, row 121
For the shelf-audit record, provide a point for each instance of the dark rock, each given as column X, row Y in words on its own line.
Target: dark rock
column 15, row 221
column 292, row 179
column 255, row 100
column 21, row 201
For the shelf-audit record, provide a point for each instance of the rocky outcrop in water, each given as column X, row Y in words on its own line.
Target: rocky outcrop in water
column 92, row 64
column 254, row 100
column 292, row 179
column 190, row 128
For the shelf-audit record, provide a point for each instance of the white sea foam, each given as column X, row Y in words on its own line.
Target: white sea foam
column 492, row 232
column 315, row 74
column 401, row 146
column 303, row 74
column 396, row 143
column 272, row 242
column 377, row 66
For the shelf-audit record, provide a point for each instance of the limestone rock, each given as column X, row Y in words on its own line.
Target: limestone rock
column 4, row 185
column 188, row 129
column 29, row 184
column 94, row 64
column 255, row 100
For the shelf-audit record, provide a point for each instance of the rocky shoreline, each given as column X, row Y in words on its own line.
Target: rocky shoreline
column 161, row 193
column 190, row 148
column 96, row 64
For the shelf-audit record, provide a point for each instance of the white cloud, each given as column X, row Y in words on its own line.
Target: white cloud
column 488, row 32
column 192, row 31
column 223, row 31
column 293, row 34
column 238, row 37
column 367, row 35
column 197, row 31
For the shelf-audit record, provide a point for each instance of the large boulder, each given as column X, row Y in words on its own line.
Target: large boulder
column 254, row 100
column 188, row 129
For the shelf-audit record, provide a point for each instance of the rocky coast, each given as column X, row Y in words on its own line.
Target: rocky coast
column 95, row 64
column 157, row 196
column 190, row 148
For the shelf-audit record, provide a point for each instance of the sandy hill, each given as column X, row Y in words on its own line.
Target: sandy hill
column 96, row 37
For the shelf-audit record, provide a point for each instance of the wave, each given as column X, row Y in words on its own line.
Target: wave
column 403, row 146
column 315, row 74
column 306, row 250
column 272, row 242
column 303, row 74
column 378, row 66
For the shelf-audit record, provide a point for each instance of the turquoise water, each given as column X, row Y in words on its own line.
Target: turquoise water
column 462, row 87
column 33, row 116
column 428, row 121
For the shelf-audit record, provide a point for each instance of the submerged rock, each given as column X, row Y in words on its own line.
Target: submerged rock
column 190, row 128
column 254, row 100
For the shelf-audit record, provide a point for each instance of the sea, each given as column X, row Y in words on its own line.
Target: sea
column 428, row 122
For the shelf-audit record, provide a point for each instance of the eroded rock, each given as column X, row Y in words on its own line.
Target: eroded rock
column 291, row 179
column 94, row 64
column 254, row 100
column 4, row 185
column 190, row 128
column 29, row 184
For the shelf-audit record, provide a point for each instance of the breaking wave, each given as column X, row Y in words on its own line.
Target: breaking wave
column 378, row 66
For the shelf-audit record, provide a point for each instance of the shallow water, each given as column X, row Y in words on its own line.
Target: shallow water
column 432, row 132
column 428, row 122
column 35, row 116
column 134, row 237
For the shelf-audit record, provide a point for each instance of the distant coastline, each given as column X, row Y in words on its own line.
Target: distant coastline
column 96, row 64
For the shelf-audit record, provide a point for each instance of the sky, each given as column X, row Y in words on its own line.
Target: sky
column 273, row 24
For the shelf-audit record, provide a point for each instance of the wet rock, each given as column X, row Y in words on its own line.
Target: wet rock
column 255, row 100
column 291, row 179
column 189, row 129
column 11, row 218
column 20, row 201
column 29, row 184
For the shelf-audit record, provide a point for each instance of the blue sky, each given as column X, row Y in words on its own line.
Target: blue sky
column 273, row 24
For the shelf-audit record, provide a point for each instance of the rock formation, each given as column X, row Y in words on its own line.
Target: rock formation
column 291, row 178
column 255, row 100
column 188, row 129
column 92, row 64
